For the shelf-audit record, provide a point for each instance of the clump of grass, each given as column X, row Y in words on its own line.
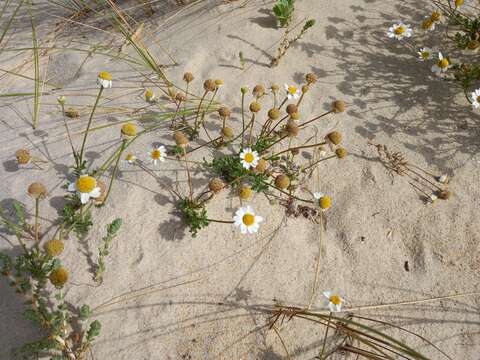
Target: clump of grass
column 283, row 10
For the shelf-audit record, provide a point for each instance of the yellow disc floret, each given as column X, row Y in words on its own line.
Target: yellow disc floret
column 86, row 184
column 399, row 30
column 129, row 129
column 292, row 90
column 156, row 154
column 248, row 157
column 325, row 202
column 54, row 247
column 104, row 75
column 443, row 64
column 59, row 277
column 248, row 219
column 335, row 299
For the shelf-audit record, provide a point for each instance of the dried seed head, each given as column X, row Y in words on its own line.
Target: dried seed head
column 335, row 137
column 180, row 139
column 54, row 247
column 209, row 85
column 255, row 107
column 180, row 97
column 23, row 156
column 227, row 132
column 444, row 194
column 274, row 114
column 258, row 91
column 295, row 151
column 103, row 192
column 129, row 130
column 292, row 129
column 37, row 190
column 224, row 112
column 261, row 165
column 473, row 44
column 282, row 181
column 188, row 77
column 295, row 116
column 292, row 108
column 244, row 90
column 245, row 192
column 216, row 185
column 72, row 113
column 325, row 202
column 311, row 78
column 59, row 277
column 275, row 88
column 339, row 106
column 341, row 153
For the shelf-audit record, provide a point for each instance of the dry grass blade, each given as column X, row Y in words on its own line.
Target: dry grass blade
column 36, row 60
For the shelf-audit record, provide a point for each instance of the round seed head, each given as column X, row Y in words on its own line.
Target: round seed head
column 224, row 112
column 444, row 194
column 209, row 85
column 23, row 156
column 341, row 153
column 335, row 137
column 292, row 108
column 255, row 107
column 59, row 277
column 311, row 78
column 259, row 91
column 72, row 113
column 274, row 114
column 37, row 190
column 339, row 106
column 282, row 181
column 295, row 116
column 216, row 185
column 295, row 151
column 325, row 202
column 129, row 130
column 275, row 88
column 261, row 165
column 54, row 247
column 292, row 129
column 188, row 77
column 180, row 139
column 180, row 97
column 245, row 192
column 227, row 132
column 244, row 90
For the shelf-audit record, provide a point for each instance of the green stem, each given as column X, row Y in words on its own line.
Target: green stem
column 114, row 173
column 82, row 149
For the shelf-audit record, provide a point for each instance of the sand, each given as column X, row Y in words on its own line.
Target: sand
column 209, row 288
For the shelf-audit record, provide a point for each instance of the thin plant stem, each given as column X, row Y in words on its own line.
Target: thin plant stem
column 198, row 109
column 243, row 117
column 188, row 173
column 252, row 122
column 82, row 149
column 298, row 148
column 37, row 211
column 315, row 118
column 115, row 169
column 325, row 337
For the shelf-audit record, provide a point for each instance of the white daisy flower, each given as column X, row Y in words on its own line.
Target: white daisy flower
column 156, row 154
column 442, row 65
column 104, row 79
column 292, row 92
column 334, row 301
column 399, row 31
column 424, row 54
column 475, row 95
column 85, row 187
column 249, row 158
column 322, row 200
column 246, row 219
column 130, row 159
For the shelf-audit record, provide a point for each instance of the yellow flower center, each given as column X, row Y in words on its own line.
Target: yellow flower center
column 427, row 24
column 130, row 157
column 292, row 90
column 335, row 299
column 458, row 2
column 443, row 63
column 156, row 154
column 105, row 75
column 325, row 202
column 435, row 16
column 425, row 54
column 248, row 219
column 129, row 129
column 248, row 157
column 86, row 184
column 399, row 30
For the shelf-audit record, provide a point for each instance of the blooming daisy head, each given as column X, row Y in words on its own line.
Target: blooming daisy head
column 334, row 301
column 104, row 79
column 442, row 65
column 428, row 24
column 85, row 187
column 399, row 31
column 424, row 54
column 249, row 158
column 322, row 200
column 475, row 95
column 156, row 154
column 246, row 219
column 292, row 92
